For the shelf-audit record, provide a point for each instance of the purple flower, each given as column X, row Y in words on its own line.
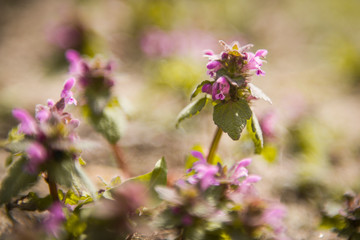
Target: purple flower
column 204, row 173
column 66, row 92
column 239, row 170
column 207, row 88
column 53, row 222
column 220, row 89
column 37, row 155
column 27, row 122
column 267, row 124
column 42, row 113
column 273, row 217
column 254, row 61
column 246, row 186
column 212, row 65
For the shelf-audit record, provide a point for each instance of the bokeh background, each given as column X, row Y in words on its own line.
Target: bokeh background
column 312, row 152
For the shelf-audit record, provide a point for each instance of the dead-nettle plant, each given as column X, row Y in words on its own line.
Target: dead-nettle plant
column 211, row 201
column 99, row 106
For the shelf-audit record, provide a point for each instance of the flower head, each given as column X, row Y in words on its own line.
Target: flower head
column 231, row 71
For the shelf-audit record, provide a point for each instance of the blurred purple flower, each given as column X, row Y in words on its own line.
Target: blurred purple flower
column 239, row 170
column 204, row 173
column 27, row 122
column 273, row 216
column 267, row 124
column 37, row 155
column 246, row 187
column 66, row 92
column 42, row 113
column 53, row 222
column 66, row 36
column 158, row 43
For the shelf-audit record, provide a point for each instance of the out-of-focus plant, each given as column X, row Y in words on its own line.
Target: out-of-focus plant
column 347, row 222
column 214, row 202
column 99, row 105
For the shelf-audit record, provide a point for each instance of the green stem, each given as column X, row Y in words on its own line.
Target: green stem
column 214, row 145
column 53, row 190
column 119, row 156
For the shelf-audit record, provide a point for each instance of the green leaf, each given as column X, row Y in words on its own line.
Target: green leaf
column 71, row 198
column 231, row 117
column 110, row 122
column 258, row 93
column 191, row 110
column 80, row 177
column 254, row 130
column 158, row 176
column 198, row 88
column 60, row 172
column 115, row 181
column 31, row 202
column 16, row 181
column 337, row 222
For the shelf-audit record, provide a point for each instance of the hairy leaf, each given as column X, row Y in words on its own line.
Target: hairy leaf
column 254, row 130
column 231, row 117
column 16, row 181
column 191, row 110
column 258, row 93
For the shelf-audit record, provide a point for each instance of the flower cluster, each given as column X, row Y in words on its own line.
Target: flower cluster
column 231, row 70
column 214, row 198
column 50, row 134
column 94, row 79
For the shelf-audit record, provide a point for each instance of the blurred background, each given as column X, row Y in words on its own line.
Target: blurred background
column 312, row 141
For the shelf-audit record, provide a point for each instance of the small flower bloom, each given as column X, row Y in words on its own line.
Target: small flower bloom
column 220, row 89
column 27, row 123
column 66, row 92
column 204, row 173
column 207, row 88
column 214, row 65
column 239, row 170
column 246, row 186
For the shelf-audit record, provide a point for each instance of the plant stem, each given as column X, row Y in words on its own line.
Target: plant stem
column 214, row 145
column 53, row 190
column 119, row 156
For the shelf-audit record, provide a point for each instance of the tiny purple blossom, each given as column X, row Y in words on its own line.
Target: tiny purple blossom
column 239, row 170
column 207, row 88
column 27, row 122
column 66, row 92
column 37, row 155
column 208, row 52
column 213, row 65
column 220, row 89
column 52, row 224
column 246, row 186
column 74, row 58
column 204, row 172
